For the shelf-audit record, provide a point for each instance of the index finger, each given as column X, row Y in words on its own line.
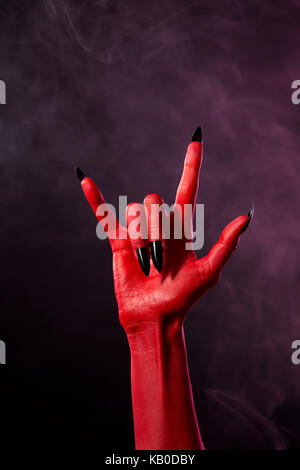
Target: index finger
column 188, row 186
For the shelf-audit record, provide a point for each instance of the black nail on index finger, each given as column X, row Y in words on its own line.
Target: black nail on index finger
column 197, row 136
column 79, row 173
column 157, row 254
column 144, row 260
column 250, row 215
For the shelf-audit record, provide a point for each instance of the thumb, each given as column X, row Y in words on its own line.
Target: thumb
column 228, row 242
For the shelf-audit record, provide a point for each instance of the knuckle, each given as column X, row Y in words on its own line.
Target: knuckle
column 152, row 199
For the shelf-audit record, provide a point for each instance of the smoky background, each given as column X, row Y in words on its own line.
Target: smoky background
column 118, row 88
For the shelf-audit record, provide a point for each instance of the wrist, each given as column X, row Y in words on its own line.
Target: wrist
column 155, row 335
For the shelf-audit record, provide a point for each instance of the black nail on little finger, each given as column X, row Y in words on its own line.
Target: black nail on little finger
column 79, row 173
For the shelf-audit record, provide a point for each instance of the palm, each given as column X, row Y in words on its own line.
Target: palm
column 183, row 280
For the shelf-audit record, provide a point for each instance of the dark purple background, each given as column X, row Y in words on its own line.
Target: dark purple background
column 118, row 87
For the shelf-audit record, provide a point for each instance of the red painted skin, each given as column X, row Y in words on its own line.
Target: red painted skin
column 152, row 311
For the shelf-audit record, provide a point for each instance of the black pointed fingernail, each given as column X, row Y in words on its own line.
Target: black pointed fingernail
column 79, row 173
column 250, row 215
column 197, row 136
column 144, row 260
column 157, row 254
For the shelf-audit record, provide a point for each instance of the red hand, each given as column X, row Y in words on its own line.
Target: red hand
column 184, row 277
column 152, row 310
